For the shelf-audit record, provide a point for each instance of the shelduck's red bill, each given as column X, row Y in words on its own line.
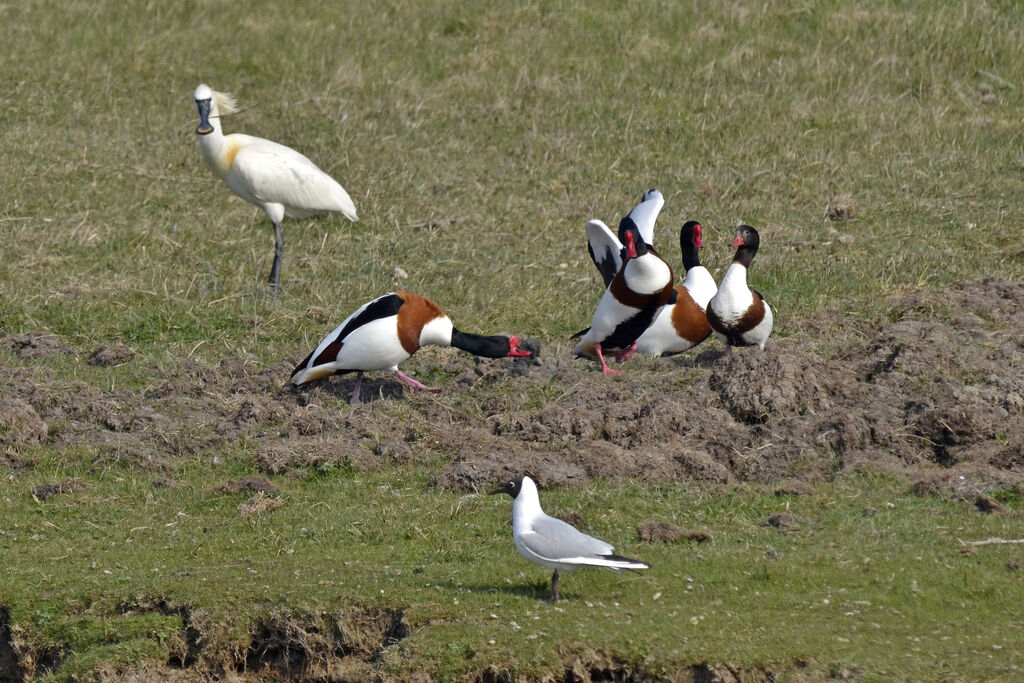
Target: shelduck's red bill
column 697, row 242
column 514, row 350
column 630, row 245
column 738, row 242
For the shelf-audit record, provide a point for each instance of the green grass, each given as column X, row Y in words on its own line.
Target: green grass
column 475, row 139
column 114, row 229
column 871, row 570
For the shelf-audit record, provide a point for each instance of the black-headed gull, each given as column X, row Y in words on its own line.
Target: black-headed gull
column 552, row 543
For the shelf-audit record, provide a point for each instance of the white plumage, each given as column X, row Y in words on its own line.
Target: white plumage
column 739, row 315
column 552, row 543
column 275, row 178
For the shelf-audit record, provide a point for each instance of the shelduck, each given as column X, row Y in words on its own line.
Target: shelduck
column 275, row 178
column 387, row 331
column 683, row 323
column 552, row 543
column 739, row 315
column 632, row 301
column 606, row 250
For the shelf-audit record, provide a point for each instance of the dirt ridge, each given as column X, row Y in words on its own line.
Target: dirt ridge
column 935, row 388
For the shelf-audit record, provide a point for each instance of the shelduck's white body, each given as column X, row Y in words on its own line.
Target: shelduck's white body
column 739, row 316
column 383, row 333
column 682, row 323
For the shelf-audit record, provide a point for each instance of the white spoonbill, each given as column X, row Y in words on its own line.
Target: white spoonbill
column 275, row 178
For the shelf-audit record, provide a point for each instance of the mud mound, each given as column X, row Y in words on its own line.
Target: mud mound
column 106, row 356
column 44, row 491
column 19, row 423
column 934, row 388
column 478, row 473
column 781, row 381
column 35, row 345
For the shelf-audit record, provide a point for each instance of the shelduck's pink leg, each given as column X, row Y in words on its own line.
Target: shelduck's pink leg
column 624, row 356
column 413, row 383
column 355, row 391
column 604, row 366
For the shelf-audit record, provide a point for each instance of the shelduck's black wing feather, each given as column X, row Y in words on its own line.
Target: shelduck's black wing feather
column 329, row 347
column 645, row 214
column 605, row 249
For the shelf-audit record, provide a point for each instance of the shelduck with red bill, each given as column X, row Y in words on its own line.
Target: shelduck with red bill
column 683, row 323
column 633, row 299
column 606, row 250
column 387, row 331
column 739, row 315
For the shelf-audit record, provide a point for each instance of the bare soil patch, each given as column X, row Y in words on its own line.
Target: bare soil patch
column 934, row 393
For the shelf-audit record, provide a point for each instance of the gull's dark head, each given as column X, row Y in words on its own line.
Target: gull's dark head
column 511, row 487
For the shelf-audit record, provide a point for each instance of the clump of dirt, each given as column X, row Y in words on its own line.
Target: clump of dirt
column 784, row 521
column 258, row 504
column 329, row 645
column 44, row 491
column 661, row 532
column 106, row 356
column 794, row 488
column 35, row 345
column 20, row 424
column 841, row 207
column 570, row 517
column 988, row 504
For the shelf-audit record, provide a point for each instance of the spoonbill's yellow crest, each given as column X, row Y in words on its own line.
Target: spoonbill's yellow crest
column 275, row 178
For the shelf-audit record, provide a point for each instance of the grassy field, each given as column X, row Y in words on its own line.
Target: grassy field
column 475, row 139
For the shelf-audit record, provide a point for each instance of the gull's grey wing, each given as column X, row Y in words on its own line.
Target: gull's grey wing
column 605, row 249
column 553, row 539
column 645, row 214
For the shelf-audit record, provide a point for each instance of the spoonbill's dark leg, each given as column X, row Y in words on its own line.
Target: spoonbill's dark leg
column 275, row 270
